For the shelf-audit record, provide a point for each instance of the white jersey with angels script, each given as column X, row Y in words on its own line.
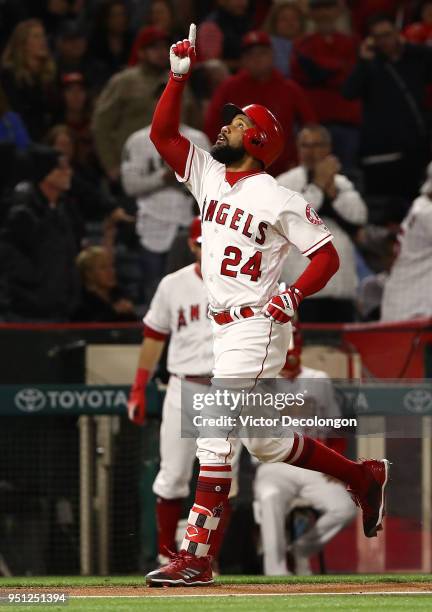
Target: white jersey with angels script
column 247, row 230
column 179, row 308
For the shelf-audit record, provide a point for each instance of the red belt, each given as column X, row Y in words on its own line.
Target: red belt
column 224, row 317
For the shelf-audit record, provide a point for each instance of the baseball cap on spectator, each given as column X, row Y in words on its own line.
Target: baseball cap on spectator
column 146, row 37
column 71, row 30
column 43, row 160
column 195, row 230
column 255, row 38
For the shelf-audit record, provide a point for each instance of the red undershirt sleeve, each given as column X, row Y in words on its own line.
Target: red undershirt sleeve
column 149, row 332
column 165, row 135
column 324, row 263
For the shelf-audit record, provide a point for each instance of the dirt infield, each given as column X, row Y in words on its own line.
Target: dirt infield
column 237, row 589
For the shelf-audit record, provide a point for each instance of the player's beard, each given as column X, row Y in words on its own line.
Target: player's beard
column 225, row 154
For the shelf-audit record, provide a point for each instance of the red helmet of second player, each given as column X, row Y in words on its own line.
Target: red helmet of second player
column 195, row 230
column 265, row 141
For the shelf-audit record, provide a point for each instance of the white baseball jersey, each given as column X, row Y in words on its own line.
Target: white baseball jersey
column 407, row 292
column 162, row 208
column 179, row 308
column 247, row 230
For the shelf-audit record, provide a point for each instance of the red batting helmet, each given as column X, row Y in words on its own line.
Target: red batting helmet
column 265, row 141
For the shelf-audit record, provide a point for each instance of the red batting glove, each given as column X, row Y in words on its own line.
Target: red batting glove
column 281, row 308
column 136, row 405
column 182, row 56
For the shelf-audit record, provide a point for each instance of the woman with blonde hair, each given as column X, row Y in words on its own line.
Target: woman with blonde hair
column 285, row 23
column 28, row 76
column 101, row 300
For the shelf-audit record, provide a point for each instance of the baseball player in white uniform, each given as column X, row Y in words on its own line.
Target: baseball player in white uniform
column 248, row 225
column 278, row 486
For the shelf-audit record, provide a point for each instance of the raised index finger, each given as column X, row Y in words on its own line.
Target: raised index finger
column 192, row 34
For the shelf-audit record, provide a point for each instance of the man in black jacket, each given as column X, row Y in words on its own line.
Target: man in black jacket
column 391, row 78
column 38, row 244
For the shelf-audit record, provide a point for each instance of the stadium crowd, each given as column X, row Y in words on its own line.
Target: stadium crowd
column 91, row 218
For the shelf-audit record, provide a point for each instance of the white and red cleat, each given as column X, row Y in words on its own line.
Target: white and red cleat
column 372, row 499
column 183, row 569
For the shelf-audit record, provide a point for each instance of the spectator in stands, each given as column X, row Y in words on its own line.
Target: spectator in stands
column 111, row 38
column 321, row 62
column 161, row 15
column 259, row 82
column 54, row 12
column 220, row 34
column 162, row 203
column 101, row 298
column 39, row 242
column 28, row 76
column 407, row 292
column 390, row 78
column 75, row 112
column 72, row 55
column 86, row 201
column 342, row 209
column 285, row 23
column 127, row 102
column 12, row 129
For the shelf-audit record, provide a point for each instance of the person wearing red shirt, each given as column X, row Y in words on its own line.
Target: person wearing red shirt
column 320, row 63
column 259, row 82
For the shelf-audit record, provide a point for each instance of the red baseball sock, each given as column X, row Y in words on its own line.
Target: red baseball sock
column 313, row 455
column 219, row 534
column 213, row 486
column 168, row 513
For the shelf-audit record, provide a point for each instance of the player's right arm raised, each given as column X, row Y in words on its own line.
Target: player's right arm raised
column 172, row 146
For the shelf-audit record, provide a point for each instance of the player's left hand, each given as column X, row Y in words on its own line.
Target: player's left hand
column 281, row 308
column 182, row 56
